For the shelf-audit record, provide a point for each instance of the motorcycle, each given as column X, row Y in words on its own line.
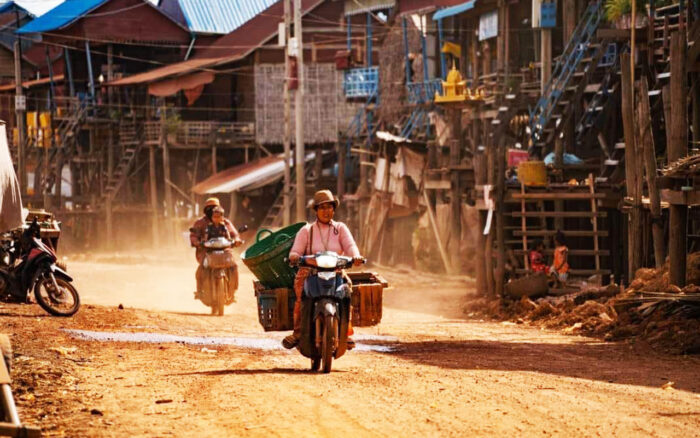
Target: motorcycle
column 325, row 309
column 218, row 263
column 28, row 264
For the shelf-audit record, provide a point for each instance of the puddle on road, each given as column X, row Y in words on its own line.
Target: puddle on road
column 241, row 342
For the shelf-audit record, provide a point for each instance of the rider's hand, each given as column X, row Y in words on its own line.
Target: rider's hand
column 293, row 259
column 237, row 242
column 357, row 261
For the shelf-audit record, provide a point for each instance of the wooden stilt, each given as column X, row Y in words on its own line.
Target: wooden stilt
column 646, row 142
column 677, row 149
column 634, row 228
column 154, row 193
column 455, row 192
column 594, row 221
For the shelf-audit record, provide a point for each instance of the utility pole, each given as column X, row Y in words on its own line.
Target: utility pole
column 298, row 113
column 286, row 209
column 20, row 106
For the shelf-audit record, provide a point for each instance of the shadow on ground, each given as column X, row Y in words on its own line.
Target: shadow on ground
column 612, row 363
column 244, row 372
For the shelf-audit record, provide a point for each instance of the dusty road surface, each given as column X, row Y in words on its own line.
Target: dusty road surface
column 427, row 370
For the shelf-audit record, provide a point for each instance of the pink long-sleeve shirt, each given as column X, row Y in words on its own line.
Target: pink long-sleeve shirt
column 334, row 237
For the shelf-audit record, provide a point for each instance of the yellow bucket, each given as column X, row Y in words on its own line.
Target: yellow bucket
column 532, row 173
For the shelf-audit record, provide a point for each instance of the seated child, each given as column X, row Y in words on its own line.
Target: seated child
column 559, row 270
column 537, row 261
column 217, row 227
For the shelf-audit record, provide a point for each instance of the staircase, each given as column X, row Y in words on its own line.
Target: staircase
column 574, row 64
column 275, row 215
column 414, row 122
column 362, row 127
column 130, row 141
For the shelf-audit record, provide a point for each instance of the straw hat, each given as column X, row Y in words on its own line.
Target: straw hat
column 212, row 202
column 325, row 196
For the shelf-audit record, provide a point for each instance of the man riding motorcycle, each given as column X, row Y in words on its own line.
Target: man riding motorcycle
column 198, row 234
column 324, row 234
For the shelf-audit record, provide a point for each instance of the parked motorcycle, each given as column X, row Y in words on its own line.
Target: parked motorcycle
column 325, row 309
column 26, row 264
column 219, row 264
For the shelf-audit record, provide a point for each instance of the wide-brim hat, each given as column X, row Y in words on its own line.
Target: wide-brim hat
column 325, row 197
column 212, row 202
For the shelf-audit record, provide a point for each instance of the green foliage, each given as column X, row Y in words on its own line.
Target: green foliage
column 615, row 9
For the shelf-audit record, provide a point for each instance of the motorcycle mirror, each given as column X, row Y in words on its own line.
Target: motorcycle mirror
column 193, row 230
column 243, row 228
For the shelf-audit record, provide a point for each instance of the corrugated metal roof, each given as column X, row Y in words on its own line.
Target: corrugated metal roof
column 453, row 10
column 353, row 7
column 220, row 16
column 245, row 177
column 61, row 16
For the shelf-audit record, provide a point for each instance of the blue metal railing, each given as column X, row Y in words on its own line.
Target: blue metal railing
column 564, row 69
column 361, row 82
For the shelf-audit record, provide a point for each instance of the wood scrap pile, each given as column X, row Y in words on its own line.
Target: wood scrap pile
column 686, row 166
column 666, row 317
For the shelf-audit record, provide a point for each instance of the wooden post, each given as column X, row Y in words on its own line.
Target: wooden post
column 287, row 201
column 154, row 194
column 500, row 218
column 488, row 256
column 214, row 168
column 677, row 149
column 546, row 56
column 500, row 38
column 568, row 11
column 455, row 192
column 631, row 168
column 341, row 171
column 299, row 113
column 21, row 122
column 559, row 164
column 646, row 140
column 169, row 210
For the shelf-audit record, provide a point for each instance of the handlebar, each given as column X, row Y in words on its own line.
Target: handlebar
column 310, row 261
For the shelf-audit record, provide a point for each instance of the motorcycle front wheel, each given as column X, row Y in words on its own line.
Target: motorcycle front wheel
column 220, row 296
column 328, row 344
column 63, row 301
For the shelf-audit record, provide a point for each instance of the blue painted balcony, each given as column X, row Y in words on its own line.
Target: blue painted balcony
column 423, row 92
column 361, row 82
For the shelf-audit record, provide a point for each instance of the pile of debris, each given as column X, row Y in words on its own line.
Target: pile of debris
column 663, row 315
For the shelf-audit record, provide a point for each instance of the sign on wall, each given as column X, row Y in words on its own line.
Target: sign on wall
column 488, row 25
column 548, row 17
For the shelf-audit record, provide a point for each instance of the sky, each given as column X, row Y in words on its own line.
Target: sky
column 39, row 7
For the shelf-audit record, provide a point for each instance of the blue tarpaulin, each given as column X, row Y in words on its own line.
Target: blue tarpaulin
column 61, row 16
column 453, row 10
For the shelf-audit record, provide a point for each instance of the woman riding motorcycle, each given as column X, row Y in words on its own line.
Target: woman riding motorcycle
column 198, row 233
column 324, row 234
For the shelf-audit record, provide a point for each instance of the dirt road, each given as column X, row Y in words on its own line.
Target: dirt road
column 425, row 371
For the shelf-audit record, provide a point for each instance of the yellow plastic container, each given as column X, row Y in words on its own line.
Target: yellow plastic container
column 532, row 173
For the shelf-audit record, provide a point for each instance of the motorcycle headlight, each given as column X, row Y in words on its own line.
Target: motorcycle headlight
column 326, row 261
